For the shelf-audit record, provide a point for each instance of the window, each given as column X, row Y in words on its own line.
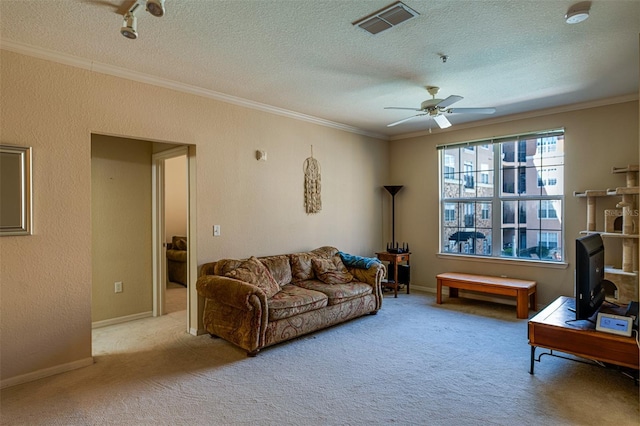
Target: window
column 449, row 167
column 484, row 174
column 504, row 200
column 547, row 177
column 546, row 145
column 547, row 211
column 449, row 212
column 468, row 175
column 485, row 211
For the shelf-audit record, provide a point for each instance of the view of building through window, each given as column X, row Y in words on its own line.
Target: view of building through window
column 504, row 197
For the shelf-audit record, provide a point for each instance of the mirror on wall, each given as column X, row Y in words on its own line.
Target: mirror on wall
column 15, row 190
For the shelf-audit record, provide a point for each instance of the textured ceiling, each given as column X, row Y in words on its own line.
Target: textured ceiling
column 306, row 56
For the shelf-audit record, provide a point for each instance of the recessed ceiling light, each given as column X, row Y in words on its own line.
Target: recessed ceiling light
column 577, row 13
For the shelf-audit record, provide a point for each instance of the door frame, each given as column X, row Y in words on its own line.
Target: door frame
column 158, row 234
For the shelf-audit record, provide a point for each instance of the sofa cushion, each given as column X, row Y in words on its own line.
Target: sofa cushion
column 331, row 271
column 293, row 300
column 279, row 267
column 338, row 293
column 254, row 272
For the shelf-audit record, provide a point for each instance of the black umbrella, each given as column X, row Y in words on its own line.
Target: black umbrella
column 465, row 235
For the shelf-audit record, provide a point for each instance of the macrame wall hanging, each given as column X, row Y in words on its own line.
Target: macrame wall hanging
column 312, row 187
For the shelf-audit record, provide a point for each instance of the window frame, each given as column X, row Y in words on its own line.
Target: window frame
column 546, row 147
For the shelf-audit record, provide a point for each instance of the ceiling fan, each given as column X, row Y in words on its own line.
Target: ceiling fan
column 436, row 108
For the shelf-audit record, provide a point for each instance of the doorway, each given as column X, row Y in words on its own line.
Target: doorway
column 184, row 156
column 127, row 242
column 170, row 228
column 175, row 226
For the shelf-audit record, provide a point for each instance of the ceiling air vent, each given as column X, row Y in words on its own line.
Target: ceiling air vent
column 386, row 18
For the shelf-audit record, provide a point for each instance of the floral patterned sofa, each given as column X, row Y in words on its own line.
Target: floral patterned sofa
column 177, row 260
column 258, row 302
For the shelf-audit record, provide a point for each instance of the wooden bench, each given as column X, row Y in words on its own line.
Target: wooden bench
column 524, row 291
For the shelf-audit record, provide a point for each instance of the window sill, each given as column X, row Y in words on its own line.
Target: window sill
column 505, row 261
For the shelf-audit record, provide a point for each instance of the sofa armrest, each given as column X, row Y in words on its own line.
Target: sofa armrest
column 207, row 269
column 234, row 310
column 372, row 276
column 230, row 291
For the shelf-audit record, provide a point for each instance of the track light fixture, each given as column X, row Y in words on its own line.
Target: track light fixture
column 129, row 25
column 155, row 7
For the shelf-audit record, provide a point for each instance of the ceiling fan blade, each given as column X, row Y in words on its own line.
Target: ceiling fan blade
column 442, row 121
column 410, row 109
column 449, row 101
column 472, row 110
column 403, row 120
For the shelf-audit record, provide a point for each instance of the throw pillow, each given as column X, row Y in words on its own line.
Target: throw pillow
column 301, row 267
column 223, row 266
column 279, row 267
column 331, row 271
column 180, row 243
column 254, row 272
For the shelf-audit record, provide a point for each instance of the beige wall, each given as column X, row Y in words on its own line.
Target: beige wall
column 595, row 140
column 121, row 227
column 175, row 197
column 46, row 278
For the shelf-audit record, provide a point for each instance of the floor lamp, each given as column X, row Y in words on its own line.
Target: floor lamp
column 393, row 247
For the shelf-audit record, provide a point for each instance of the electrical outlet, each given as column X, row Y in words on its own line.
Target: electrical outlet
column 118, row 287
column 216, row 230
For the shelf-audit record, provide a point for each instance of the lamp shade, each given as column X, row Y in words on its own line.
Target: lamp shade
column 393, row 189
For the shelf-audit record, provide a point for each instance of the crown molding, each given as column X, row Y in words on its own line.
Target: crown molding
column 78, row 62
column 529, row 114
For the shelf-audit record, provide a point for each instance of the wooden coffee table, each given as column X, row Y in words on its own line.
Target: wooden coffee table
column 555, row 328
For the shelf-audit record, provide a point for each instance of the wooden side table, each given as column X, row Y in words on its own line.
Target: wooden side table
column 394, row 258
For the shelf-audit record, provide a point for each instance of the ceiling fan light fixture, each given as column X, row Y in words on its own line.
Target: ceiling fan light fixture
column 129, row 27
column 441, row 121
column 577, row 13
column 155, row 7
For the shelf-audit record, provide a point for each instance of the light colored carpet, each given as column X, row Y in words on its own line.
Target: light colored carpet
column 415, row 363
column 175, row 298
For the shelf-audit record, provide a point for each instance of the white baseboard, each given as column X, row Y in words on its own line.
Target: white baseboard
column 46, row 372
column 197, row 332
column 120, row 320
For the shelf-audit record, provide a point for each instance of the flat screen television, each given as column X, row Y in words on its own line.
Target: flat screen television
column 589, row 275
